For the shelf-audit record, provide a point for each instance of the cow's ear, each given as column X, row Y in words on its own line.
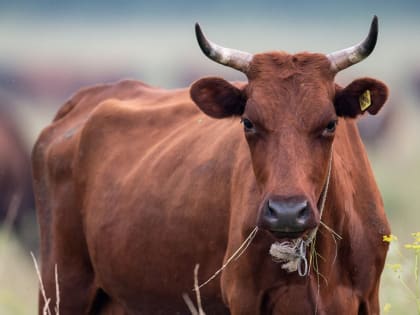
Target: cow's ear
column 218, row 98
column 360, row 96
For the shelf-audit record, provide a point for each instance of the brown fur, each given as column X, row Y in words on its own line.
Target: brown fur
column 135, row 186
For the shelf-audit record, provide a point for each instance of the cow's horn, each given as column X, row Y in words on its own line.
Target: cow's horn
column 236, row 59
column 345, row 58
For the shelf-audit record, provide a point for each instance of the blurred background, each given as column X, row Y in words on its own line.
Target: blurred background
column 49, row 49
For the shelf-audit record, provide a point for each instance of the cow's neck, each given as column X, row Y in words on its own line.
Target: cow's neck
column 332, row 235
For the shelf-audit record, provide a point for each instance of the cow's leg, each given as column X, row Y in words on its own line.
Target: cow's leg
column 75, row 286
column 370, row 306
column 239, row 292
column 111, row 308
column 243, row 305
column 104, row 305
column 63, row 245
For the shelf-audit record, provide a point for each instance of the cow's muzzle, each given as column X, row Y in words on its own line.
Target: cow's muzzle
column 287, row 217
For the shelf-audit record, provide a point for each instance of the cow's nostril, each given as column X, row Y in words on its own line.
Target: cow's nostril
column 303, row 213
column 286, row 215
column 270, row 211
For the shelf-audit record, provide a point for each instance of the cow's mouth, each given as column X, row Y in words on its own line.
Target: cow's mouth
column 283, row 235
column 289, row 249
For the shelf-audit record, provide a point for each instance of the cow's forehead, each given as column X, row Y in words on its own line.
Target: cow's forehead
column 302, row 74
column 281, row 84
column 283, row 65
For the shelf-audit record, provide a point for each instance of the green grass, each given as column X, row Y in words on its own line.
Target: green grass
column 18, row 281
column 400, row 292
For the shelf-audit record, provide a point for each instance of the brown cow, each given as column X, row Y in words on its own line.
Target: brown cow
column 135, row 185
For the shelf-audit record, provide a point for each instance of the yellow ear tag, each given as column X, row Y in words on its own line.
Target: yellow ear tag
column 364, row 100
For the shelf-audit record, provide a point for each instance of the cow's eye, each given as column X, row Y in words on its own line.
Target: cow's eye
column 330, row 128
column 248, row 125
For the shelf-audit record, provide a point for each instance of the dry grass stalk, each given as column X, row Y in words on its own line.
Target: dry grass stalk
column 197, row 291
column 244, row 246
column 46, row 309
column 57, row 292
column 190, row 304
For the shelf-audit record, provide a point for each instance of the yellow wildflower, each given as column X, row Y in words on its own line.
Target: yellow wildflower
column 389, row 238
column 412, row 246
column 394, row 267
column 416, row 236
column 387, row 308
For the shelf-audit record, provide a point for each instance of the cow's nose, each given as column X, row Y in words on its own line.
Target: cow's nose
column 287, row 216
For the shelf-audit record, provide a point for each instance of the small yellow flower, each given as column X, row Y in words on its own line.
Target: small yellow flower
column 394, row 267
column 412, row 246
column 387, row 308
column 416, row 236
column 389, row 238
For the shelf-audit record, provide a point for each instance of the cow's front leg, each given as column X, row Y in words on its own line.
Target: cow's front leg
column 73, row 291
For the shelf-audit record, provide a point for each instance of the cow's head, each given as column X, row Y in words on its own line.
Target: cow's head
column 289, row 110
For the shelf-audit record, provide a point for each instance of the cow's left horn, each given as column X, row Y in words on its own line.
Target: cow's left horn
column 345, row 58
column 236, row 59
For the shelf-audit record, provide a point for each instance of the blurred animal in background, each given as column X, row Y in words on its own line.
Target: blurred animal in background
column 415, row 79
column 17, row 207
column 135, row 185
column 375, row 130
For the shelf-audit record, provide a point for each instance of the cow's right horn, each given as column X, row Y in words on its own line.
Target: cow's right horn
column 345, row 58
column 233, row 58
